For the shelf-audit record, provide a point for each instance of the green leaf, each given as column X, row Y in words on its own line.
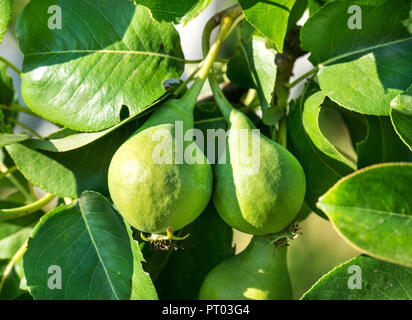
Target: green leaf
column 381, row 143
column 179, row 274
column 171, row 11
column 13, row 234
column 208, row 117
column 270, row 17
column 379, row 281
column 107, row 54
column 361, row 70
column 67, row 139
column 327, row 34
column 364, row 85
column 408, row 22
column 6, row 85
column 89, row 242
column 356, row 124
column 401, row 115
column 8, row 138
column 372, row 209
column 297, row 12
column 195, row 11
column 5, row 15
column 11, row 288
column 43, row 171
column 253, row 66
column 68, row 174
column 142, row 285
column 321, row 171
column 314, row 5
column 310, row 119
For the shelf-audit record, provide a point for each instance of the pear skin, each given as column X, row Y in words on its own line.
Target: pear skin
column 258, row 273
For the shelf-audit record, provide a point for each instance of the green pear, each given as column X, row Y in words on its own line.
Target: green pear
column 151, row 184
column 160, row 197
column 259, row 184
column 257, row 273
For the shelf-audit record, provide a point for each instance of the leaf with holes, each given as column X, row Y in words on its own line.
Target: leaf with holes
column 89, row 244
column 81, row 75
column 372, row 209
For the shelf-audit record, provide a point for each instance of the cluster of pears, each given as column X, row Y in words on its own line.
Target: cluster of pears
column 259, row 197
column 157, row 198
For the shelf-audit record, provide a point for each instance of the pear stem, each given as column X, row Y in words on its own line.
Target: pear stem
column 17, row 256
column 9, row 64
column 188, row 100
column 224, row 105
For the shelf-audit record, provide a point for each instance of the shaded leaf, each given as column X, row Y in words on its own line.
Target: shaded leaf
column 321, row 171
column 43, row 171
column 80, row 76
column 171, row 11
column 261, row 15
column 208, row 117
column 195, row 11
column 372, row 209
column 11, row 288
column 381, row 143
column 327, row 35
column 13, row 234
column 297, row 12
column 179, row 274
column 356, row 124
column 401, row 115
column 379, row 281
column 68, row 174
column 253, row 66
column 9, row 138
column 361, row 69
column 89, row 242
column 363, row 85
column 310, row 119
column 6, row 85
